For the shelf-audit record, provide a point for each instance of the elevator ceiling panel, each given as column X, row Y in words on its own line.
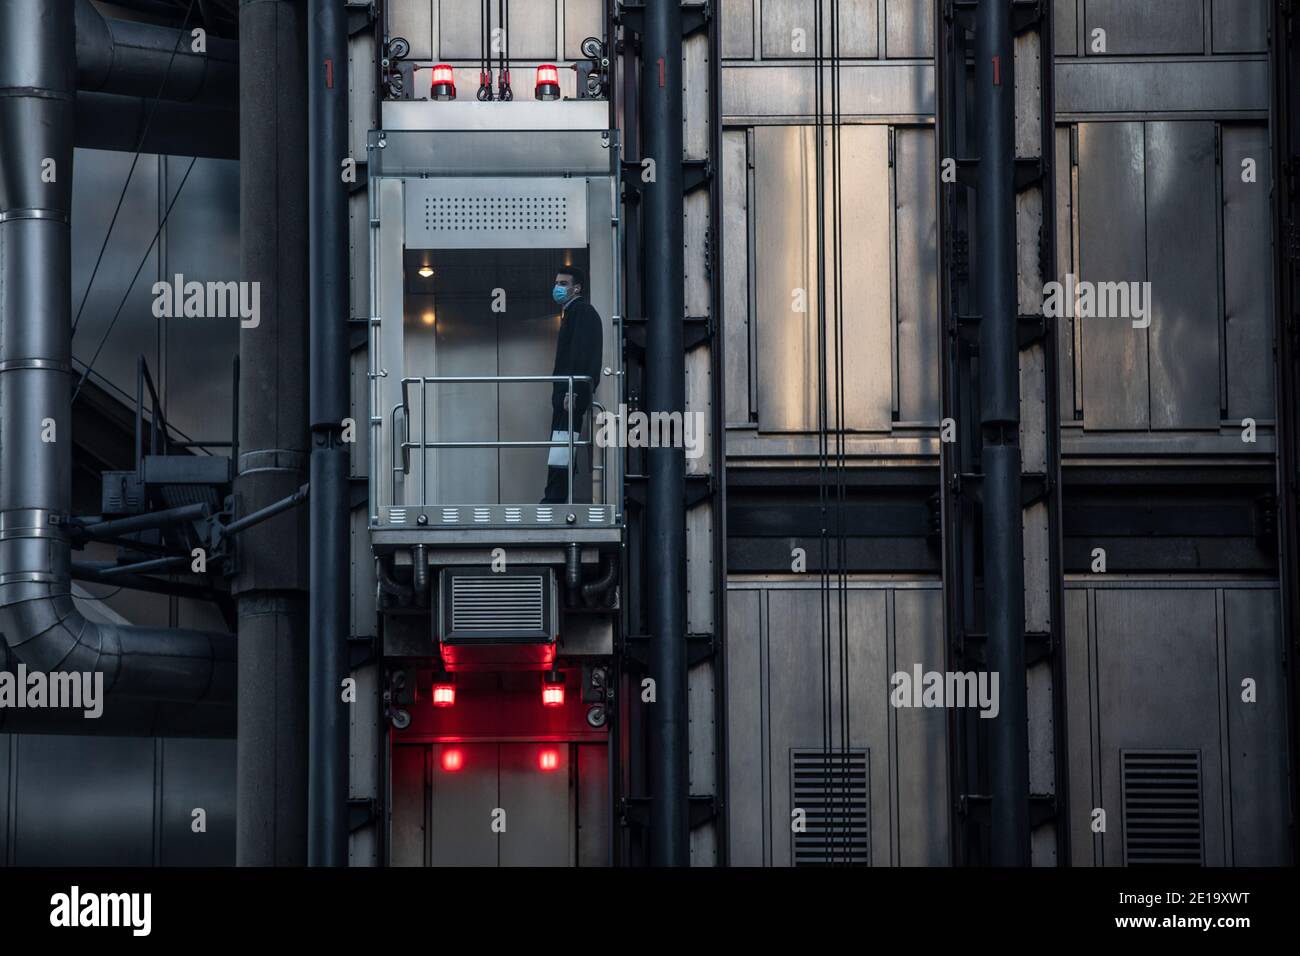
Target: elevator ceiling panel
column 496, row 213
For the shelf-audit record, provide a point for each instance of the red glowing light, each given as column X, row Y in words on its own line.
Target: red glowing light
column 452, row 760
column 552, row 695
column 548, row 760
column 444, row 695
column 548, row 82
column 443, row 86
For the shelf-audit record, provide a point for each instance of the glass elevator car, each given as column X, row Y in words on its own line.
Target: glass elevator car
column 498, row 611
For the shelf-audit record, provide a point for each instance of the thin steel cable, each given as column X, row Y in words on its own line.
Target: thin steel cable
column 144, row 132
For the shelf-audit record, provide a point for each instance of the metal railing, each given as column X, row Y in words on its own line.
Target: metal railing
column 407, row 445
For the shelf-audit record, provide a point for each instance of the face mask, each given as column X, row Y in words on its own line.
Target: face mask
column 559, row 293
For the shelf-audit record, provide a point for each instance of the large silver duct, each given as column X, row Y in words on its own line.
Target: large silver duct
column 37, row 618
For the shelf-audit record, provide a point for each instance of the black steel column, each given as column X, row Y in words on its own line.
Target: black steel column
column 327, row 90
column 999, row 372
column 661, row 140
column 271, row 584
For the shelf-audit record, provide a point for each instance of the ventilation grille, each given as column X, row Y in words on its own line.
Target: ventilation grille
column 498, row 603
column 832, row 790
column 1162, row 807
column 492, row 213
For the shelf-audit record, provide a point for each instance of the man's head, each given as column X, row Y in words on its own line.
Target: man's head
column 569, row 282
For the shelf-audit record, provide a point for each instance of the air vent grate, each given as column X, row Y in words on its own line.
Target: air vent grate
column 536, row 213
column 498, row 603
column 832, row 789
column 1162, row 807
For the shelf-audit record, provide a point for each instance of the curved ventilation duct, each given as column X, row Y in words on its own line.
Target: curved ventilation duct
column 37, row 618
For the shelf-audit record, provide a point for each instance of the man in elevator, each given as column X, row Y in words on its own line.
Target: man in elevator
column 578, row 351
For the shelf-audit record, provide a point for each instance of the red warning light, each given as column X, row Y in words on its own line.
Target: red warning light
column 548, row 760
column 444, row 695
column 548, row 82
column 452, row 760
column 444, row 82
column 552, row 694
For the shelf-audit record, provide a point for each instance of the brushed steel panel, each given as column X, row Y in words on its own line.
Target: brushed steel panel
column 84, row 801
column 918, row 294
column 781, row 18
column 921, row 734
column 909, row 29
column 593, row 803
column 1158, row 688
column 1065, row 27
column 1247, row 278
column 539, row 810
column 1081, row 724
column 408, row 806
column 1256, row 730
column 460, row 25
column 531, row 37
column 1065, row 265
column 735, row 274
column 1148, row 26
column 1182, row 265
column 582, row 19
column 748, row 820
column 1240, row 26
column 794, row 667
column 8, row 744
column 1112, row 237
column 459, row 814
column 413, row 19
column 876, row 89
column 533, row 31
column 737, row 29
column 1203, row 84
column 787, row 340
column 526, row 338
column 198, row 773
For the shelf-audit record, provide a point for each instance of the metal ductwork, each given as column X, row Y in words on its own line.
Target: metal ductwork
column 131, row 59
column 40, row 625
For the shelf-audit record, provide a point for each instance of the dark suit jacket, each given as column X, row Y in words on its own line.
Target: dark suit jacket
column 578, row 351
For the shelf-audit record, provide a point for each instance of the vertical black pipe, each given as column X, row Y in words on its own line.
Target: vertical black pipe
column 661, row 129
column 271, row 584
column 999, row 369
column 327, row 89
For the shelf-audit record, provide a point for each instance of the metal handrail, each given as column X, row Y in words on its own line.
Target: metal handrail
column 407, row 445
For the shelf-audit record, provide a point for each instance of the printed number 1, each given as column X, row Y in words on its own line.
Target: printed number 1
column 660, row 61
column 997, row 71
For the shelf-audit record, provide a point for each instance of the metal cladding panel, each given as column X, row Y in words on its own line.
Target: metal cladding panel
column 794, row 666
column 738, row 29
column 909, row 29
column 1247, row 284
column 1065, row 212
column 461, row 804
column 198, row 774
column 1147, row 26
column 1183, row 268
column 1112, row 232
column 790, row 28
column 866, row 89
column 84, row 801
column 1065, row 27
column 410, row 791
column 1257, row 729
column 538, row 805
column 413, row 19
column 8, row 743
column 749, row 819
column 496, row 213
column 920, row 735
column 787, row 339
column 582, row 19
column 917, row 275
column 593, row 804
column 487, row 152
column 531, row 33
column 1158, row 688
column 1202, row 84
column 735, row 275
column 1241, row 26
column 1081, row 719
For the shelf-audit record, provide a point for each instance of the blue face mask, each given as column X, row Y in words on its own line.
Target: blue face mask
column 560, row 294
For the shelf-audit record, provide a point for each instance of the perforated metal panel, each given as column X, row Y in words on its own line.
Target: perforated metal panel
column 831, row 788
column 496, row 213
column 1162, row 808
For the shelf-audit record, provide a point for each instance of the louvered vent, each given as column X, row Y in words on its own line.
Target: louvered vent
column 1162, row 807
column 832, row 788
column 496, row 603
